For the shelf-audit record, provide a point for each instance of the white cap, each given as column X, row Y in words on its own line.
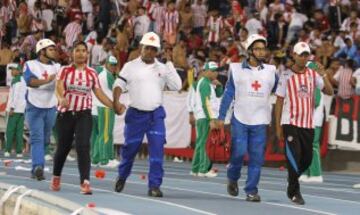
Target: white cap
column 301, row 47
column 253, row 38
column 44, row 43
column 151, row 39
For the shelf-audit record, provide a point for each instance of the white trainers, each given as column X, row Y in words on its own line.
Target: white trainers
column 315, row 179
column 356, row 186
column 114, row 162
column 193, row 173
column 6, row 154
column 210, row 174
column 19, row 155
column 48, row 157
column 69, row 158
column 178, row 160
column 303, row 178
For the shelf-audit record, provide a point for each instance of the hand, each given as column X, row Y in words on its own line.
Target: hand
column 220, row 124
column 119, row 108
column 63, row 102
column 216, row 82
column 213, row 125
column 11, row 112
column 320, row 69
column 279, row 133
column 51, row 78
column 191, row 119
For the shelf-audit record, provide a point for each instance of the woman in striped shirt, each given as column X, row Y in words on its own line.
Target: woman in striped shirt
column 73, row 90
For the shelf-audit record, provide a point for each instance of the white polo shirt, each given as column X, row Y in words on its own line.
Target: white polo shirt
column 146, row 82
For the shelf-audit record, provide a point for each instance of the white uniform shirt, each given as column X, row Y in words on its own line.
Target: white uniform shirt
column 104, row 86
column 16, row 98
column 145, row 83
column 43, row 96
column 253, row 87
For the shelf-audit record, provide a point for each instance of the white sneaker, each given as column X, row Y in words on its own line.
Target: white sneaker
column 209, row 174
column 177, row 160
column 315, row 179
column 115, row 162
column 356, row 186
column 194, row 173
column 303, row 178
column 6, row 154
column 19, row 155
column 69, row 158
column 48, row 157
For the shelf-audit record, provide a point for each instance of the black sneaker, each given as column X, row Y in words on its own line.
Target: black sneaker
column 119, row 185
column 232, row 188
column 253, row 198
column 38, row 173
column 155, row 192
column 298, row 199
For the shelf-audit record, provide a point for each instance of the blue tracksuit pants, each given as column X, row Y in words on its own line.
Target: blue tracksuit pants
column 248, row 139
column 137, row 124
column 40, row 122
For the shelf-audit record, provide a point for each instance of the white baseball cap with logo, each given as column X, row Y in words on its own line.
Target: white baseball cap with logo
column 212, row 66
column 44, row 43
column 301, row 47
column 151, row 39
column 112, row 60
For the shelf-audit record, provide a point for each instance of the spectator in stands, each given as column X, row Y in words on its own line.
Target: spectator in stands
column 6, row 56
column 141, row 24
column 171, row 23
column 73, row 30
column 344, row 80
column 350, row 51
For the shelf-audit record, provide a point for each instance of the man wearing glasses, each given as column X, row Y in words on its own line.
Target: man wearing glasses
column 249, row 87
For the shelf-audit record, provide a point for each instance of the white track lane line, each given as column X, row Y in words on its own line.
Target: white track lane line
column 131, row 196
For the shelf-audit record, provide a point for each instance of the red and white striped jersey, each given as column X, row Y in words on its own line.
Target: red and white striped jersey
column 298, row 90
column 215, row 26
column 171, row 21
column 78, row 85
column 72, row 30
column 343, row 76
column 158, row 13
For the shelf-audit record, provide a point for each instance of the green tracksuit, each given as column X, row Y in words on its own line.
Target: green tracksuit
column 15, row 122
column 102, row 148
column 203, row 113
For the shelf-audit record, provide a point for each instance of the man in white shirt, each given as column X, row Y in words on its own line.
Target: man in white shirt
column 254, row 25
column 249, row 86
column 142, row 24
column 41, row 102
column 145, row 78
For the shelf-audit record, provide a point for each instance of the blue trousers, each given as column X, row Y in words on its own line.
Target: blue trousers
column 249, row 139
column 137, row 124
column 40, row 122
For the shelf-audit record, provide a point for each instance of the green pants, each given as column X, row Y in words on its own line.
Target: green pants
column 315, row 167
column 94, row 134
column 103, row 150
column 15, row 128
column 201, row 162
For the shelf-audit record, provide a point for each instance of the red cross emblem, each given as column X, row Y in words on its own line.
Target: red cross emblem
column 256, row 85
column 152, row 38
column 45, row 75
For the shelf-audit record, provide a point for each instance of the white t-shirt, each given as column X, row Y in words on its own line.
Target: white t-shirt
column 253, row 26
column 48, row 16
column 297, row 19
column 86, row 6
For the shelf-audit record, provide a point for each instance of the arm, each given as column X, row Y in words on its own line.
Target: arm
column 205, row 91
column 102, row 97
column 327, row 89
column 172, row 78
column 60, row 92
column 32, row 81
column 278, row 112
column 228, row 97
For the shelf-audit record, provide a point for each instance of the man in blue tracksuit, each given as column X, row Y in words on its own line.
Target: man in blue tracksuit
column 249, row 86
column 144, row 78
column 41, row 102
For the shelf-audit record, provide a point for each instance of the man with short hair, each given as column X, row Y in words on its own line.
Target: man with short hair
column 41, row 102
column 145, row 78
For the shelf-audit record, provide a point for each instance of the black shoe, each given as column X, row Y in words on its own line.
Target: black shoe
column 119, row 185
column 253, row 198
column 232, row 188
column 298, row 199
column 38, row 173
column 155, row 192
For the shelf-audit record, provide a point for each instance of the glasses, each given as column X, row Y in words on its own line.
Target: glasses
column 259, row 49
